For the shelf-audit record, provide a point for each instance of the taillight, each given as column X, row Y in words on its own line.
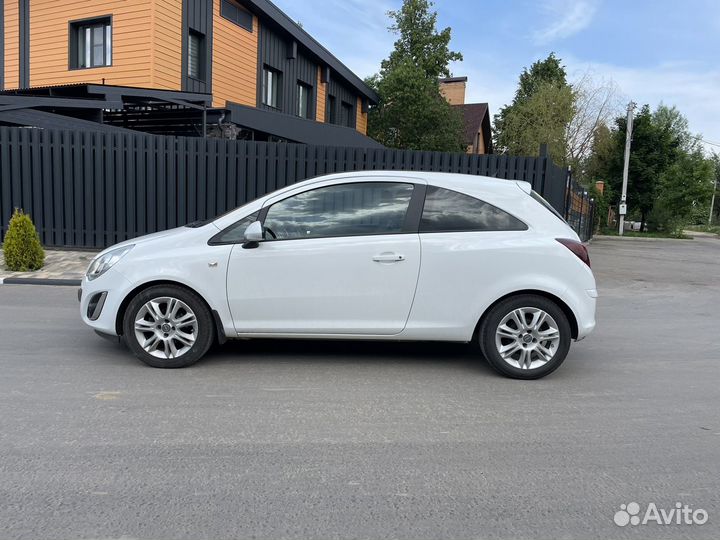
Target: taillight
column 577, row 248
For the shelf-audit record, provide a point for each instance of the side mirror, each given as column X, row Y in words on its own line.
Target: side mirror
column 254, row 233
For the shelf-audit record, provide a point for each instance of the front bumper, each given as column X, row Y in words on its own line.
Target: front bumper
column 106, row 294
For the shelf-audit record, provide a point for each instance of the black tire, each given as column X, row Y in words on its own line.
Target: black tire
column 492, row 320
column 204, row 334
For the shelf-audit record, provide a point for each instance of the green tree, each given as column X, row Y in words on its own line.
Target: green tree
column 411, row 112
column 542, row 118
column 685, row 187
column 715, row 218
column 539, row 113
column 655, row 146
column 601, row 154
column 21, row 247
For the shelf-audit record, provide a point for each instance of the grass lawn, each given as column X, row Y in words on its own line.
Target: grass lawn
column 714, row 229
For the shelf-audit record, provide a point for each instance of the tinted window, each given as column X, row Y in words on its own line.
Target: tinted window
column 447, row 211
column 195, row 55
column 235, row 234
column 304, row 105
column 344, row 210
column 347, row 114
column 271, row 88
column 233, row 12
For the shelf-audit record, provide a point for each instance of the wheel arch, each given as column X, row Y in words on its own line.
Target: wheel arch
column 572, row 319
column 130, row 295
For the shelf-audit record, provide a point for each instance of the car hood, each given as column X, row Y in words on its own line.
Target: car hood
column 149, row 239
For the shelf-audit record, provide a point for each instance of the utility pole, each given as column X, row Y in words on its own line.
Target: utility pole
column 712, row 202
column 622, row 210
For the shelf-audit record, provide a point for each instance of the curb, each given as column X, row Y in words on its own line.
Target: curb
column 640, row 238
column 40, row 281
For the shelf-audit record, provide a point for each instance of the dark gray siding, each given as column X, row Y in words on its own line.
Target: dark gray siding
column 342, row 94
column 277, row 53
column 24, row 44
column 197, row 16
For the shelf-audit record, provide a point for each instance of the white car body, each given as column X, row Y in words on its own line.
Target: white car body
column 337, row 288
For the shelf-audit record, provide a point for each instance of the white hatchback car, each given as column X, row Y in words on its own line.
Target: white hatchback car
column 364, row 255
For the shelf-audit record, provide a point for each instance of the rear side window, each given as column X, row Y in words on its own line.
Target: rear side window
column 450, row 211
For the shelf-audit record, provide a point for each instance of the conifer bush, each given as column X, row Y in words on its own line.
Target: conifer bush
column 22, row 249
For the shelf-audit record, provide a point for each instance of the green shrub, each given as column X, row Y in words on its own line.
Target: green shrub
column 22, row 247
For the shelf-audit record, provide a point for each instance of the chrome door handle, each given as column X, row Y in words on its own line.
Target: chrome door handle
column 388, row 257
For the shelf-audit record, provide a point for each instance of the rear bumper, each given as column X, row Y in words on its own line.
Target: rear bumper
column 585, row 313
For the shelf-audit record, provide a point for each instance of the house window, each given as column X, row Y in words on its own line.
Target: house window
column 331, row 114
column 271, row 88
column 346, row 118
column 304, row 106
column 236, row 14
column 91, row 43
column 196, row 55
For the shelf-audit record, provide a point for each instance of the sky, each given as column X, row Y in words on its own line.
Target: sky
column 653, row 51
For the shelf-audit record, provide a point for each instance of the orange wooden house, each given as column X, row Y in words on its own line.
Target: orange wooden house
column 244, row 60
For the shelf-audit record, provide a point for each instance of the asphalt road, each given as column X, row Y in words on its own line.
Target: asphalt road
column 360, row 440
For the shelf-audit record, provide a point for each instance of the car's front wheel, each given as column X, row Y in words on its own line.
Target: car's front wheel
column 525, row 336
column 167, row 326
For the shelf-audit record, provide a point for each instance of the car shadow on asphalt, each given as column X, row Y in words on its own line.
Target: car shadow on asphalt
column 342, row 352
column 462, row 357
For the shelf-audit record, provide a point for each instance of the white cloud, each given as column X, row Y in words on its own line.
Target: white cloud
column 565, row 18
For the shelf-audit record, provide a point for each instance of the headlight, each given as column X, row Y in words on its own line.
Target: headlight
column 102, row 264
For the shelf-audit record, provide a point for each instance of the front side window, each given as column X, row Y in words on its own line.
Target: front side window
column 304, row 93
column 366, row 208
column 91, row 43
column 196, row 49
column 450, row 211
column 271, row 88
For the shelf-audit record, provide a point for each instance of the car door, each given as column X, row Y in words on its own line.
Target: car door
column 337, row 259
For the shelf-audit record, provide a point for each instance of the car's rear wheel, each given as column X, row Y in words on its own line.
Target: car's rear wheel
column 167, row 326
column 525, row 336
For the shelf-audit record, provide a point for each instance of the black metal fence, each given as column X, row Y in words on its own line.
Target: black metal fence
column 580, row 209
column 93, row 189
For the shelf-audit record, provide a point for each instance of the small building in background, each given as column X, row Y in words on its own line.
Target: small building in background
column 476, row 116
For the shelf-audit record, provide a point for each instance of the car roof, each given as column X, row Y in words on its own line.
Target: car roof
column 496, row 191
column 440, row 179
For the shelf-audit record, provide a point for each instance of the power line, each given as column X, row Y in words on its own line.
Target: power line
column 699, row 138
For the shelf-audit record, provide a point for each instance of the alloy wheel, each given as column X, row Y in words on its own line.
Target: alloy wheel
column 527, row 338
column 166, row 327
